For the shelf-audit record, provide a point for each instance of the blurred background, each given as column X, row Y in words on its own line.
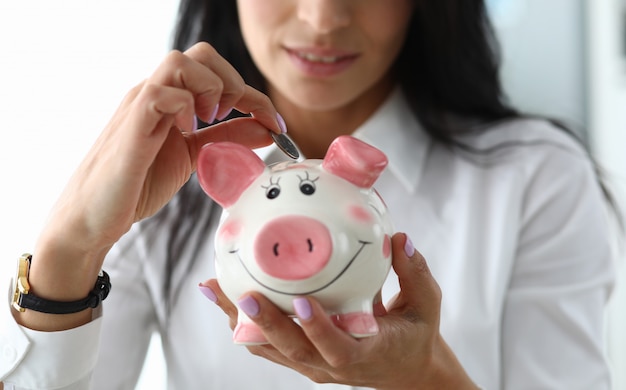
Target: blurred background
column 65, row 66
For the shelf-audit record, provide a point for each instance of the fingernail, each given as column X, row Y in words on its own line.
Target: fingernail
column 281, row 123
column 195, row 123
column 207, row 292
column 213, row 114
column 249, row 306
column 224, row 115
column 409, row 249
column 302, row 308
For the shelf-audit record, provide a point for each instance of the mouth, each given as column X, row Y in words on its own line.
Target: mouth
column 321, row 63
column 307, row 56
column 305, row 292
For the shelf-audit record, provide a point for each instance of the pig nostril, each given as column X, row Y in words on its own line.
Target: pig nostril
column 275, row 247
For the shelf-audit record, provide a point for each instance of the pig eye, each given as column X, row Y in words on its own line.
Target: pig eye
column 273, row 189
column 307, row 188
column 307, row 185
column 272, row 192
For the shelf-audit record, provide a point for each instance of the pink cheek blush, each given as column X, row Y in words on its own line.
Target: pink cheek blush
column 360, row 214
column 230, row 230
column 386, row 246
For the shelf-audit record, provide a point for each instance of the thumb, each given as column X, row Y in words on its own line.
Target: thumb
column 420, row 294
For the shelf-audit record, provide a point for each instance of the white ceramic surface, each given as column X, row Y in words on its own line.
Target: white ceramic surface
column 315, row 227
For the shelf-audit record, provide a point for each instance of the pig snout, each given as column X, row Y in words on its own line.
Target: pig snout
column 293, row 247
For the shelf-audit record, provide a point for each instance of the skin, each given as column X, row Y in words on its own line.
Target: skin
column 318, row 109
column 142, row 158
column 326, row 354
column 148, row 151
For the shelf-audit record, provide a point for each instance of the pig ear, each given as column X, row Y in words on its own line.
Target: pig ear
column 226, row 169
column 355, row 161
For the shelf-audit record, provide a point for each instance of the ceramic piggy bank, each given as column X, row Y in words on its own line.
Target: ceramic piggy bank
column 315, row 227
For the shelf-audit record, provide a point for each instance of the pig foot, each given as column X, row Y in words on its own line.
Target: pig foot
column 248, row 334
column 357, row 324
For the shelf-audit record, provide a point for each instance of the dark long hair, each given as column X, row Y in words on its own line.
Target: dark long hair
column 449, row 62
column 216, row 22
column 448, row 67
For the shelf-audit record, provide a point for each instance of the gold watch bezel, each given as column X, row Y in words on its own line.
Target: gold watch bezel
column 21, row 285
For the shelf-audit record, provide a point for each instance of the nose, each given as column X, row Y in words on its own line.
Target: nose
column 293, row 247
column 324, row 16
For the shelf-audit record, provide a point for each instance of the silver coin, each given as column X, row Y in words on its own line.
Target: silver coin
column 285, row 144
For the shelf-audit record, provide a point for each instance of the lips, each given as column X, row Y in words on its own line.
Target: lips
column 319, row 58
column 321, row 62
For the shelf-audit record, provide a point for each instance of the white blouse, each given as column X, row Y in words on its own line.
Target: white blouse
column 516, row 234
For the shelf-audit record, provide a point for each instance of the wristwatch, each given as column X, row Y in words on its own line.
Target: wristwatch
column 24, row 299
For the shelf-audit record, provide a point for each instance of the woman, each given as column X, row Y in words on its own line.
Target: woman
column 506, row 210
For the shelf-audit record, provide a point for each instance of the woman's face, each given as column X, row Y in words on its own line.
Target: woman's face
column 324, row 54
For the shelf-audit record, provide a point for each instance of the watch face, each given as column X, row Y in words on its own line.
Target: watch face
column 20, row 284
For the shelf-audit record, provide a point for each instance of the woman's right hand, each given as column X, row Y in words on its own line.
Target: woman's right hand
column 142, row 158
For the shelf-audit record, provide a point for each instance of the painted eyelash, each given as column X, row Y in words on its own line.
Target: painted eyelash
column 272, row 183
column 307, row 178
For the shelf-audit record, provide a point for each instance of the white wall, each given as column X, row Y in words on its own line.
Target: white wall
column 64, row 67
column 543, row 56
column 607, row 91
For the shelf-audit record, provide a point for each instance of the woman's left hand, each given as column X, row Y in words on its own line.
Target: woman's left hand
column 407, row 353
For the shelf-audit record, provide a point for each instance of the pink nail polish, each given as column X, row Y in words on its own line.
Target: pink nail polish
column 249, row 306
column 207, row 292
column 302, row 307
column 213, row 114
column 224, row 115
column 195, row 123
column 281, row 123
column 409, row 249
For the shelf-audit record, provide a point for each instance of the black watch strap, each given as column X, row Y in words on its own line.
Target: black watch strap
column 24, row 299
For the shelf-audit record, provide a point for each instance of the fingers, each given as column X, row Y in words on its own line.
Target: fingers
column 379, row 306
column 419, row 302
column 245, row 131
column 235, row 93
column 205, row 84
column 234, row 85
column 280, row 330
column 321, row 350
column 154, row 102
column 337, row 347
column 303, row 360
column 211, row 289
column 215, row 86
column 420, row 295
column 199, row 83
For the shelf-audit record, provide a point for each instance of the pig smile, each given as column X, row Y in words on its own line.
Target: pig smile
column 309, row 292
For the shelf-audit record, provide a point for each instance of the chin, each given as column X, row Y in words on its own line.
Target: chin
column 322, row 98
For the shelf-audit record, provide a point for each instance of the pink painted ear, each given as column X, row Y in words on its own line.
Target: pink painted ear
column 226, row 169
column 355, row 161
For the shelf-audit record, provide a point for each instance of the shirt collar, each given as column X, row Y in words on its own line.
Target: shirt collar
column 395, row 130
